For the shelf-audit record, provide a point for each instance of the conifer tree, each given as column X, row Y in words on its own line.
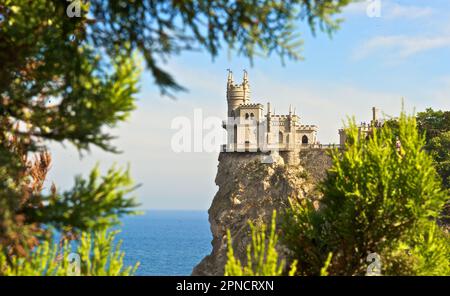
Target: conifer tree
column 69, row 74
column 262, row 256
column 377, row 198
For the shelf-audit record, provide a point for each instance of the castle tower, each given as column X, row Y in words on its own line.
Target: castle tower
column 290, row 119
column 237, row 94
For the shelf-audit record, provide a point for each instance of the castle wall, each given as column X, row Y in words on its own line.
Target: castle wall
column 281, row 132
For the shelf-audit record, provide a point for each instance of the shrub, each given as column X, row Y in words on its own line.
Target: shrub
column 262, row 256
column 98, row 257
column 377, row 198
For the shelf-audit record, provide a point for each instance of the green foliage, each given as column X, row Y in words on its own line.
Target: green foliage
column 376, row 198
column 436, row 126
column 41, row 28
column 262, row 256
column 57, row 83
column 439, row 148
column 56, row 86
column 92, row 204
column 324, row 270
column 247, row 28
column 99, row 257
column 71, row 79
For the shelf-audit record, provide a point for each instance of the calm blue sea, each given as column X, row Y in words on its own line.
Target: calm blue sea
column 166, row 242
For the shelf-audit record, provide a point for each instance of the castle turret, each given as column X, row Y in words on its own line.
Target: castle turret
column 230, row 80
column 237, row 94
column 290, row 129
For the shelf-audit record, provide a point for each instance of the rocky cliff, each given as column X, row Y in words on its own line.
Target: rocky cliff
column 251, row 190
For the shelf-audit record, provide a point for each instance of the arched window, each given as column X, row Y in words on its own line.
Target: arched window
column 252, row 116
column 246, row 116
column 280, row 137
column 304, row 140
column 235, row 136
column 288, row 139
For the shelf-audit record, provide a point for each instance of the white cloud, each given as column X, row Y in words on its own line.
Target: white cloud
column 435, row 33
column 395, row 10
column 388, row 9
column 356, row 8
column 400, row 46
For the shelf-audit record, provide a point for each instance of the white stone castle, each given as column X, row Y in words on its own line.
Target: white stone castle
column 251, row 130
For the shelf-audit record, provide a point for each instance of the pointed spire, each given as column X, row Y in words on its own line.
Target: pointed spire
column 290, row 109
column 230, row 77
column 245, row 80
column 246, row 88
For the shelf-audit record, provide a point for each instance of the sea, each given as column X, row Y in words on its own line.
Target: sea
column 165, row 242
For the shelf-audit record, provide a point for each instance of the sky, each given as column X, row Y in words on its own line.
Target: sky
column 400, row 54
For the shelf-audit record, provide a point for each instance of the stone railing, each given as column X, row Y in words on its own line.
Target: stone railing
column 321, row 146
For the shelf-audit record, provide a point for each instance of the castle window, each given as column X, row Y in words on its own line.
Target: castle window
column 252, row 116
column 304, row 140
column 280, row 137
column 246, row 116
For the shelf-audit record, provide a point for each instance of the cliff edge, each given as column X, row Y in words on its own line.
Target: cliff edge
column 251, row 190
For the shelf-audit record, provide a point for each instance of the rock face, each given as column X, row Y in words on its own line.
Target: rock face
column 250, row 190
column 315, row 162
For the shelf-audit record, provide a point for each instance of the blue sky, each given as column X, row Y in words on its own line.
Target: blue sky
column 368, row 62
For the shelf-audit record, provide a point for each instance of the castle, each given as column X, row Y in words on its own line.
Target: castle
column 364, row 129
column 251, row 130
